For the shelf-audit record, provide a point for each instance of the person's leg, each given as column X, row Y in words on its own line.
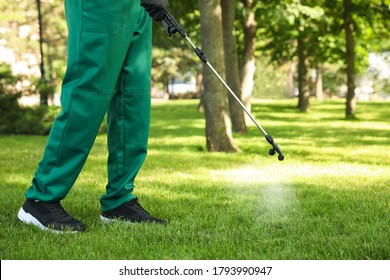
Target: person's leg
column 128, row 118
column 128, row 130
column 98, row 41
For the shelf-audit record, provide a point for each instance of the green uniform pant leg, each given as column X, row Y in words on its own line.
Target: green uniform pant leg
column 128, row 118
column 100, row 33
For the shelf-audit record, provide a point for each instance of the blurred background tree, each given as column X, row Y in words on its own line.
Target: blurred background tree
column 33, row 41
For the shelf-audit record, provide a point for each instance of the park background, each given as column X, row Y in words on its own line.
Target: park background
column 315, row 74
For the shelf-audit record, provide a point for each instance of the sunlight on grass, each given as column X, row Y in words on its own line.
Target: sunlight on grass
column 329, row 198
column 280, row 173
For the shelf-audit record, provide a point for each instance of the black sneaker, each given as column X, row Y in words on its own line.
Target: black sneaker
column 130, row 212
column 49, row 216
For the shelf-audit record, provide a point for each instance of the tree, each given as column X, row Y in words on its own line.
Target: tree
column 303, row 87
column 249, row 61
column 363, row 24
column 218, row 127
column 349, row 58
column 43, row 93
column 231, row 64
column 173, row 56
column 35, row 31
column 17, row 36
column 292, row 29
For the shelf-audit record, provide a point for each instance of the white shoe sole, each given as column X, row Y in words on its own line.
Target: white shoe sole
column 27, row 218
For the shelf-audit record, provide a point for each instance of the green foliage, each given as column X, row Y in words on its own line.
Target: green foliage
column 173, row 57
column 15, row 119
column 283, row 22
column 9, row 96
column 20, row 33
column 172, row 63
column 333, row 78
column 270, row 80
column 54, row 40
column 27, row 120
column 7, row 80
column 33, row 120
column 278, row 26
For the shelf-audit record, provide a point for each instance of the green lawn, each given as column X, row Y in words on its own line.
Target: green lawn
column 329, row 199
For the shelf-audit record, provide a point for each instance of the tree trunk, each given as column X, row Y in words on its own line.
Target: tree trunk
column 319, row 84
column 350, row 59
column 304, row 93
column 249, row 62
column 218, row 127
column 199, row 82
column 231, row 63
column 199, row 89
column 290, row 92
column 43, row 99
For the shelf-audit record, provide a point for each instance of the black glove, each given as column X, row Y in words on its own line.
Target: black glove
column 155, row 8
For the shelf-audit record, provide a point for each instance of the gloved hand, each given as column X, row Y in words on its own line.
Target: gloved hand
column 155, row 8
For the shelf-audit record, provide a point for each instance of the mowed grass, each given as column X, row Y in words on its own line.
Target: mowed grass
column 329, row 199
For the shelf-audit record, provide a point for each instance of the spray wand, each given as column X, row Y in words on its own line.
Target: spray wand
column 171, row 27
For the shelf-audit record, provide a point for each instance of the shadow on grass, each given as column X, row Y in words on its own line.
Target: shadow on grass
column 214, row 215
column 323, row 127
column 176, row 120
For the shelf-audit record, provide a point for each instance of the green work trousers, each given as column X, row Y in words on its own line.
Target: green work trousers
column 108, row 71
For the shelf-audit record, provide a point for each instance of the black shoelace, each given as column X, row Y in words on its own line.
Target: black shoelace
column 57, row 210
column 138, row 207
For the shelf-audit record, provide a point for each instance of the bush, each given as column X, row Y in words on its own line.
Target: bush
column 8, row 111
column 9, row 96
column 15, row 119
column 28, row 120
